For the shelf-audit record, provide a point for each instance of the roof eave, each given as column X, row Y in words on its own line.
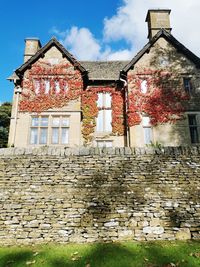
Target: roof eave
column 13, row 77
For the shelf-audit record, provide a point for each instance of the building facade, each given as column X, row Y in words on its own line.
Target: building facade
column 152, row 99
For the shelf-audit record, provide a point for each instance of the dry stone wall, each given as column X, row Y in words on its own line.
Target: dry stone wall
column 91, row 194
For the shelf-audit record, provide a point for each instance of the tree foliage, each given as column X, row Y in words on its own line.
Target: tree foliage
column 5, row 113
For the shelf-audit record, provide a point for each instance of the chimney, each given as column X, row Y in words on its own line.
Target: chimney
column 32, row 45
column 158, row 19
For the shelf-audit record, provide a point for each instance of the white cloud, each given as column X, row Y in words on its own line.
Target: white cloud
column 120, row 55
column 128, row 24
column 80, row 42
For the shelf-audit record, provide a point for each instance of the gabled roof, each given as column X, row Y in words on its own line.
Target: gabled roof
column 104, row 70
column 40, row 53
column 170, row 38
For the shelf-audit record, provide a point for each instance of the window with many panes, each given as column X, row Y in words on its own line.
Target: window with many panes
column 104, row 118
column 49, row 130
column 39, row 130
column 60, row 130
column 193, row 126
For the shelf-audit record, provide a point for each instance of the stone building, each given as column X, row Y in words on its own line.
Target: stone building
column 152, row 99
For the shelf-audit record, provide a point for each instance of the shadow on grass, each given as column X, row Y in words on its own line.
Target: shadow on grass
column 17, row 258
column 177, row 255
column 101, row 255
column 129, row 254
column 135, row 255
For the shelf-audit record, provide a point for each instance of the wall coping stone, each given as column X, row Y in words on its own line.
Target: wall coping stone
column 88, row 151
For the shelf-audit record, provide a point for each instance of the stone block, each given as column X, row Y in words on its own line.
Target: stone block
column 84, row 151
column 155, row 222
column 125, row 234
column 63, row 233
column 32, row 224
column 153, row 230
column 183, row 234
column 111, row 224
column 45, row 226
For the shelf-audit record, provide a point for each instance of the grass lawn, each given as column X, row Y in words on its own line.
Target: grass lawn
column 129, row 254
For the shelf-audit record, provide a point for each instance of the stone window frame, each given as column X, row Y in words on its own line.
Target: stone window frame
column 49, row 128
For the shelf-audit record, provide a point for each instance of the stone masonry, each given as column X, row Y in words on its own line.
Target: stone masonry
column 91, row 194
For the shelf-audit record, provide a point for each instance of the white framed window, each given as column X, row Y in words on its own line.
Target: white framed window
column 60, row 130
column 104, row 143
column 49, row 130
column 104, row 118
column 147, row 130
column 39, row 130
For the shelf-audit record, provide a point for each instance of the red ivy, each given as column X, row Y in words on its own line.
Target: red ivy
column 90, row 111
column 69, row 80
column 163, row 102
column 66, row 76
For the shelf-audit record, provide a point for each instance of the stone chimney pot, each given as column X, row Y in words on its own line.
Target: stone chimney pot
column 158, row 19
column 32, row 45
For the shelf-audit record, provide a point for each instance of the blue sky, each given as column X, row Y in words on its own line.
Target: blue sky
column 21, row 19
column 90, row 29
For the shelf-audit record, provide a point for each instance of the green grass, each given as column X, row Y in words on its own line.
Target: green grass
column 129, row 254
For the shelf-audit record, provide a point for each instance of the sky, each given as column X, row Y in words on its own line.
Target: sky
column 89, row 29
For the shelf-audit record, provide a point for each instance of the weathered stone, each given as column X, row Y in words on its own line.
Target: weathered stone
column 58, row 195
column 45, row 226
column 63, row 233
column 32, row 224
column 143, row 223
column 153, row 230
column 111, row 224
column 126, row 234
column 155, row 222
column 183, row 234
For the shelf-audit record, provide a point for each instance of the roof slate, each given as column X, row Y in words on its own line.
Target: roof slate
column 104, row 70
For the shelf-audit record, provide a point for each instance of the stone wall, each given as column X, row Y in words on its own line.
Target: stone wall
column 91, row 194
